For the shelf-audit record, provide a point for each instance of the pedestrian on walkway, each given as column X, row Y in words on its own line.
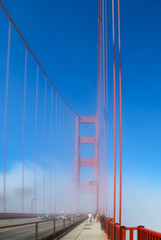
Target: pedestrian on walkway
column 97, row 217
column 102, row 218
column 90, row 217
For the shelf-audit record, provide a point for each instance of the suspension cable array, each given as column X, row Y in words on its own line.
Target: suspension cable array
column 102, row 108
column 47, row 151
column 49, row 129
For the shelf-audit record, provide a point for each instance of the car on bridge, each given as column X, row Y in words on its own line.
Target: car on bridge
column 43, row 217
column 64, row 216
column 52, row 217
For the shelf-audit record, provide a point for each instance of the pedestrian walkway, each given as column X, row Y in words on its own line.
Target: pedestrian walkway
column 86, row 231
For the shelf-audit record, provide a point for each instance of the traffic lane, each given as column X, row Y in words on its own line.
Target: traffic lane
column 18, row 232
column 28, row 232
column 6, row 222
column 50, row 228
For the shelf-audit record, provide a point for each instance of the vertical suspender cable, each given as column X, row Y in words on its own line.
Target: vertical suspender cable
column 106, row 110
column 44, row 157
column 62, row 155
column 66, row 163
column 37, row 79
column 113, row 27
column 103, row 30
column 56, row 154
column 5, row 123
column 23, row 133
column 70, row 130
column 59, row 158
column 98, row 89
column 51, row 148
column 64, row 160
column 120, row 112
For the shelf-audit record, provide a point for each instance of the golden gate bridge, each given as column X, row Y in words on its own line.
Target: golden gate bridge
column 43, row 130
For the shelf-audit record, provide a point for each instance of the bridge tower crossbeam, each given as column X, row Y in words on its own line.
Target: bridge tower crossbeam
column 80, row 162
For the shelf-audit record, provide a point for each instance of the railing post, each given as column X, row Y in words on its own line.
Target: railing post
column 36, row 231
column 139, row 232
column 131, row 234
column 64, row 223
column 122, row 233
column 108, row 227
column 113, row 232
column 54, row 226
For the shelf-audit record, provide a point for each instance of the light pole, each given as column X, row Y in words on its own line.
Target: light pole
column 32, row 200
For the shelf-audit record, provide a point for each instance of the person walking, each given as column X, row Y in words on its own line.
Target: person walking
column 102, row 218
column 90, row 217
column 97, row 217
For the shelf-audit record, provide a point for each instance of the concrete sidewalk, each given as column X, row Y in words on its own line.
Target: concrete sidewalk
column 86, row 231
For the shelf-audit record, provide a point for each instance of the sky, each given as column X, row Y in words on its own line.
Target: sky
column 63, row 36
column 68, row 40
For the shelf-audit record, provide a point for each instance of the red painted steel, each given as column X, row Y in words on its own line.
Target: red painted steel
column 114, row 89
column 63, row 141
column 59, row 162
column 18, row 215
column 54, row 226
column 51, row 127
column 98, row 88
column 106, row 109
column 99, row 50
column 63, row 159
column 80, row 219
column 36, row 231
column 23, row 131
column 68, row 146
column 84, row 162
column 5, row 127
column 76, row 159
column 104, row 92
column 80, row 162
column 93, row 162
column 115, row 231
column 120, row 206
column 44, row 156
column 56, row 124
column 36, row 110
column 91, row 119
column 88, row 140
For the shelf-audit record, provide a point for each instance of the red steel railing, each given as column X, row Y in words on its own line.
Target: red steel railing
column 71, row 222
column 115, row 231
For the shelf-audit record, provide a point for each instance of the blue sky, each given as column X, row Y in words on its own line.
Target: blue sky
column 63, row 36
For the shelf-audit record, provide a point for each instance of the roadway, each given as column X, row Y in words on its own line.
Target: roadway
column 28, row 232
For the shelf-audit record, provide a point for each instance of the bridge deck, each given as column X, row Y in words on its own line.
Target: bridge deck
column 86, row 231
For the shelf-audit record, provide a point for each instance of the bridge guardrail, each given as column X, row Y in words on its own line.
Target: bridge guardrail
column 115, row 231
column 71, row 222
